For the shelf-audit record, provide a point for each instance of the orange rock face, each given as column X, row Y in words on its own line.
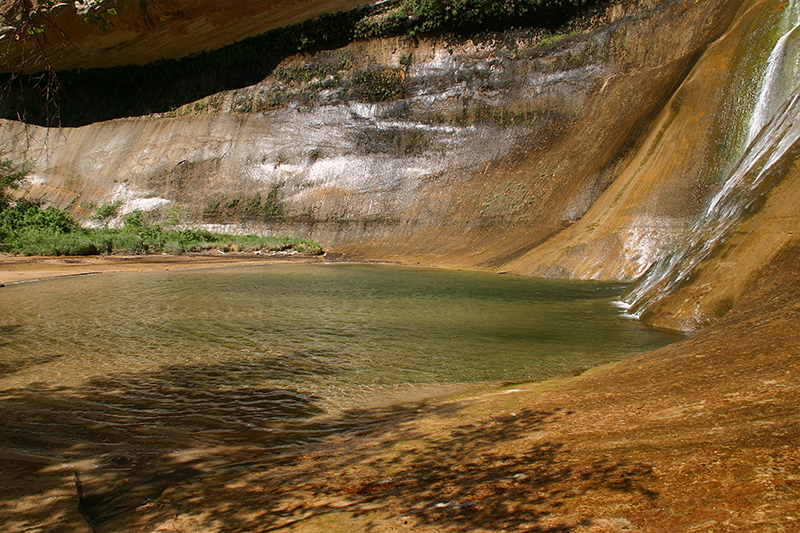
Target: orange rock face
column 149, row 30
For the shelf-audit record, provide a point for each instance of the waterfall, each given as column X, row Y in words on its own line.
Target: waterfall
column 773, row 144
column 781, row 74
column 764, row 163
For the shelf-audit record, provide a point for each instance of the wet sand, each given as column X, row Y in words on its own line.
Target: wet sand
column 16, row 269
column 698, row 436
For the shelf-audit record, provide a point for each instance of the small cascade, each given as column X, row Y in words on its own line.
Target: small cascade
column 773, row 143
column 765, row 162
column 782, row 73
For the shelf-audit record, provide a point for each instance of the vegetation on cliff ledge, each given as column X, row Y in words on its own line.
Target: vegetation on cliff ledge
column 414, row 17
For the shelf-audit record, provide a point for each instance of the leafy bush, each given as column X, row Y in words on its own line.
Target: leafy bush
column 30, row 216
column 10, row 179
column 395, row 21
column 414, row 17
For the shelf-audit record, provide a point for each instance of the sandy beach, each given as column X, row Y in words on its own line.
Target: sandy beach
column 16, row 269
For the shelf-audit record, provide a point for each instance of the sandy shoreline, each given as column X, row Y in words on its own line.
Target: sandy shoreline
column 16, row 269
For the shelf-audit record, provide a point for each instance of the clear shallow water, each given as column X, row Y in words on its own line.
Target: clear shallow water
column 316, row 326
column 116, row 375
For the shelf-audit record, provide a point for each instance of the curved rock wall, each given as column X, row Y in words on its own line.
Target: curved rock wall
column 449, row 151
column 660, row 192
column 688, row 156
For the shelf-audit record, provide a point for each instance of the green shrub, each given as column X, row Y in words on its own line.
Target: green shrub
column 414, row 17
column 379, row 86
column 30, row 215
column 10, row 179
column 392, row 22
column 135, row 219
column 107, row 210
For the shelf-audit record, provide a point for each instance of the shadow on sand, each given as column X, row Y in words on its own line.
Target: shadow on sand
column 131, row 452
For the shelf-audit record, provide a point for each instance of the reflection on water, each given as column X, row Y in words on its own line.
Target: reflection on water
column 124, row 377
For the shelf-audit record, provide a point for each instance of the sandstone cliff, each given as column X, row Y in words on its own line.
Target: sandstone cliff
column 148, row 30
